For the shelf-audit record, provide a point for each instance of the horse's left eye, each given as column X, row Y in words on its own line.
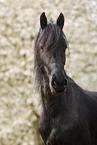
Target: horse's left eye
column 41, row 47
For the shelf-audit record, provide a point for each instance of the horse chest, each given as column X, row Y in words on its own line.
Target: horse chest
column 56, row 131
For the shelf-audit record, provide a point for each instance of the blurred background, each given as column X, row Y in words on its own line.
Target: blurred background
column 19, row 23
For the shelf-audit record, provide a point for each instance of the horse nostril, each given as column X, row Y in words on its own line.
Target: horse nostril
column 59, row 84
column 54, row 85
column 58, row 87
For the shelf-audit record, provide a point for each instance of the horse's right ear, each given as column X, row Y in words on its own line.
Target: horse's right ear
column 43, row 20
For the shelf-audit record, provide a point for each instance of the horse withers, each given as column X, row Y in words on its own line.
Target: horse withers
column 69, row 113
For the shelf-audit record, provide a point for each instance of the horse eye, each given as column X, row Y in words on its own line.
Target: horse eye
column 41, row 47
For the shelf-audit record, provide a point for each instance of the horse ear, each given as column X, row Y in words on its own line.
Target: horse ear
column 60, row 20
column 43, row 20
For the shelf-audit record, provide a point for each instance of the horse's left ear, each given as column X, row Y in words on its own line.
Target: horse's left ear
column 43, row 20
column 60, row 20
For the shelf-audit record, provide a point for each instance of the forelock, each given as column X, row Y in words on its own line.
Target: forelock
column 51, row 37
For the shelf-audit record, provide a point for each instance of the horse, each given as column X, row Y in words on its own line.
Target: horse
column 69, row 113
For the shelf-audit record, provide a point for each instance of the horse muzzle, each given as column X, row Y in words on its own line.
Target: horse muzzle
column 58, row 86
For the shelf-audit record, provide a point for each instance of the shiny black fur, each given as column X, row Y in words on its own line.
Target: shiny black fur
column 69, row 118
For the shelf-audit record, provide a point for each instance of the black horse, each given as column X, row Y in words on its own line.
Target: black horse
column 69, row 114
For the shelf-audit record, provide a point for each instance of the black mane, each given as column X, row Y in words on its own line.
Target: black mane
column 51, row 37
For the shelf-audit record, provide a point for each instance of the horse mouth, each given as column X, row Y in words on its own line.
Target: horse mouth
column 58, row 91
